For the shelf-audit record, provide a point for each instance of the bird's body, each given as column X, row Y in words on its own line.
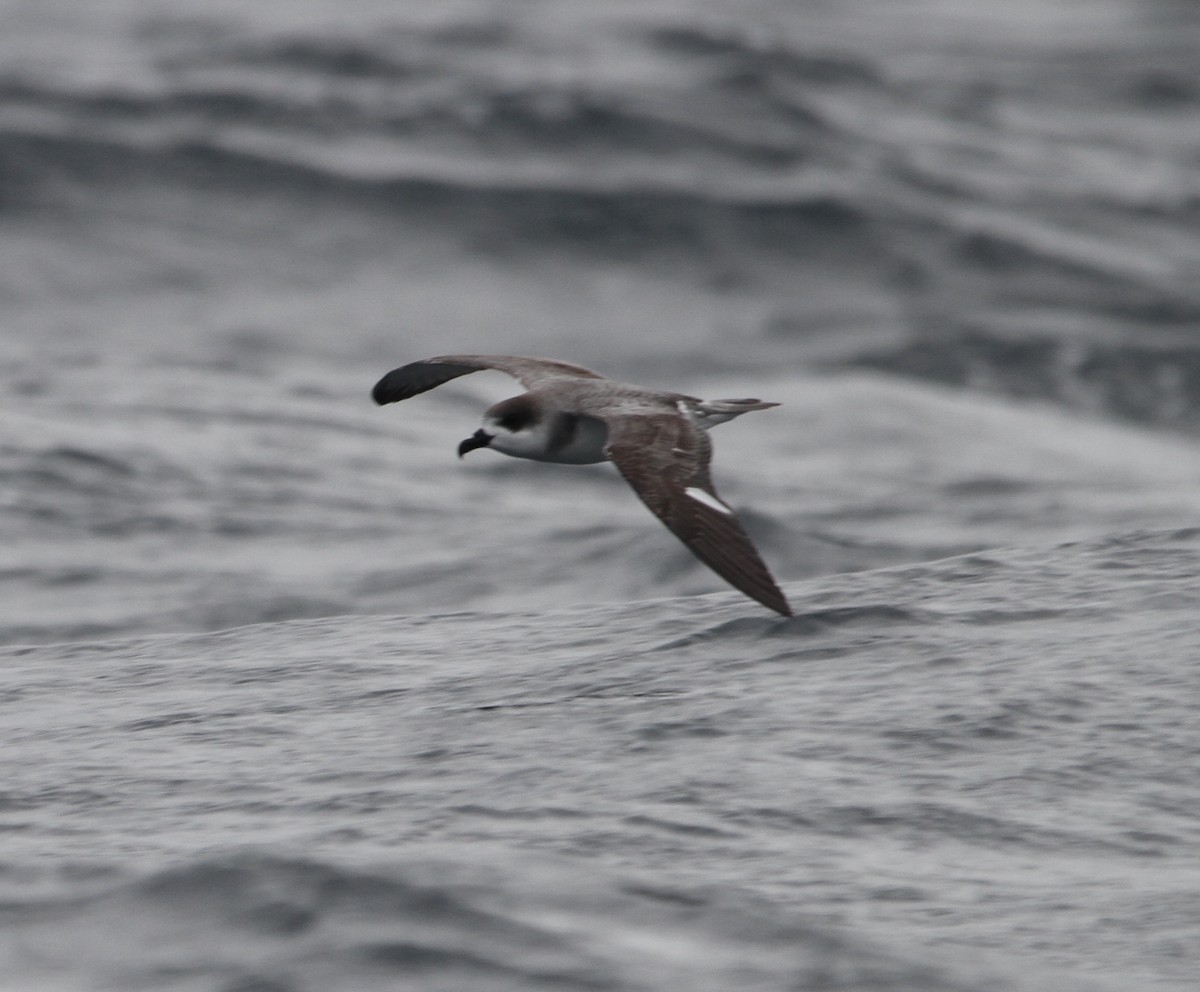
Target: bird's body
column 656, row 439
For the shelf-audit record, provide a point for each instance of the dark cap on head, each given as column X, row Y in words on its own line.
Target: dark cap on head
column 516, row 413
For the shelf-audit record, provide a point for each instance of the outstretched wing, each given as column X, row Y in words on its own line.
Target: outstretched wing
column 665, row 458
column 417, row 377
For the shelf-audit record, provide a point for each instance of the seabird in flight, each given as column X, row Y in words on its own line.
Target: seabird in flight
column 658, row 441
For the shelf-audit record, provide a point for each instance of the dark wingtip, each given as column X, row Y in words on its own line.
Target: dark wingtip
column 385, row 390
column 780, row 605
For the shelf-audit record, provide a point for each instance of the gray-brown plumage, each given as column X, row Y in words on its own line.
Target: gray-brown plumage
column 656, row 439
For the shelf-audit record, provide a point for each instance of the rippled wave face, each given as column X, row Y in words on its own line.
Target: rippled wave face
column 218, row 222
column 971, row 193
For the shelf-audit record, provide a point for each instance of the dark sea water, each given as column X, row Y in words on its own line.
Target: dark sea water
column 292, row 699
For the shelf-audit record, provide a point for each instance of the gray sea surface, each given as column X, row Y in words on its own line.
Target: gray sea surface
column 293, row 699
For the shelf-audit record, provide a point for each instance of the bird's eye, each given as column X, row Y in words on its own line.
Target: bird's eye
column 513, row 415
column 514, row 420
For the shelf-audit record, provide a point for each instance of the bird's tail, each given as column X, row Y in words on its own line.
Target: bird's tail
column 713, row 412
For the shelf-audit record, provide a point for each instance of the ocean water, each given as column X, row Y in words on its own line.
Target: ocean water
column 293, row 699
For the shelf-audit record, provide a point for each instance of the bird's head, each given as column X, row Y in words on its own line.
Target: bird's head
column 513, row 427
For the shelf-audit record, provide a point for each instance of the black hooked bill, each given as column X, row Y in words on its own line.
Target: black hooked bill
column 480, row 439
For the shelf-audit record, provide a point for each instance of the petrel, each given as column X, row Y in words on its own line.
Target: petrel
column 658, row 441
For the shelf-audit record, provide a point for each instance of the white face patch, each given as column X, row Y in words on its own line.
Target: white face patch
column 708, row 499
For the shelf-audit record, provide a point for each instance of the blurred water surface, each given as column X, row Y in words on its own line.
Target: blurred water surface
column 481, row 725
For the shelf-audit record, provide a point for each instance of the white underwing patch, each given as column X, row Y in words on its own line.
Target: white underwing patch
column 708, row 499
